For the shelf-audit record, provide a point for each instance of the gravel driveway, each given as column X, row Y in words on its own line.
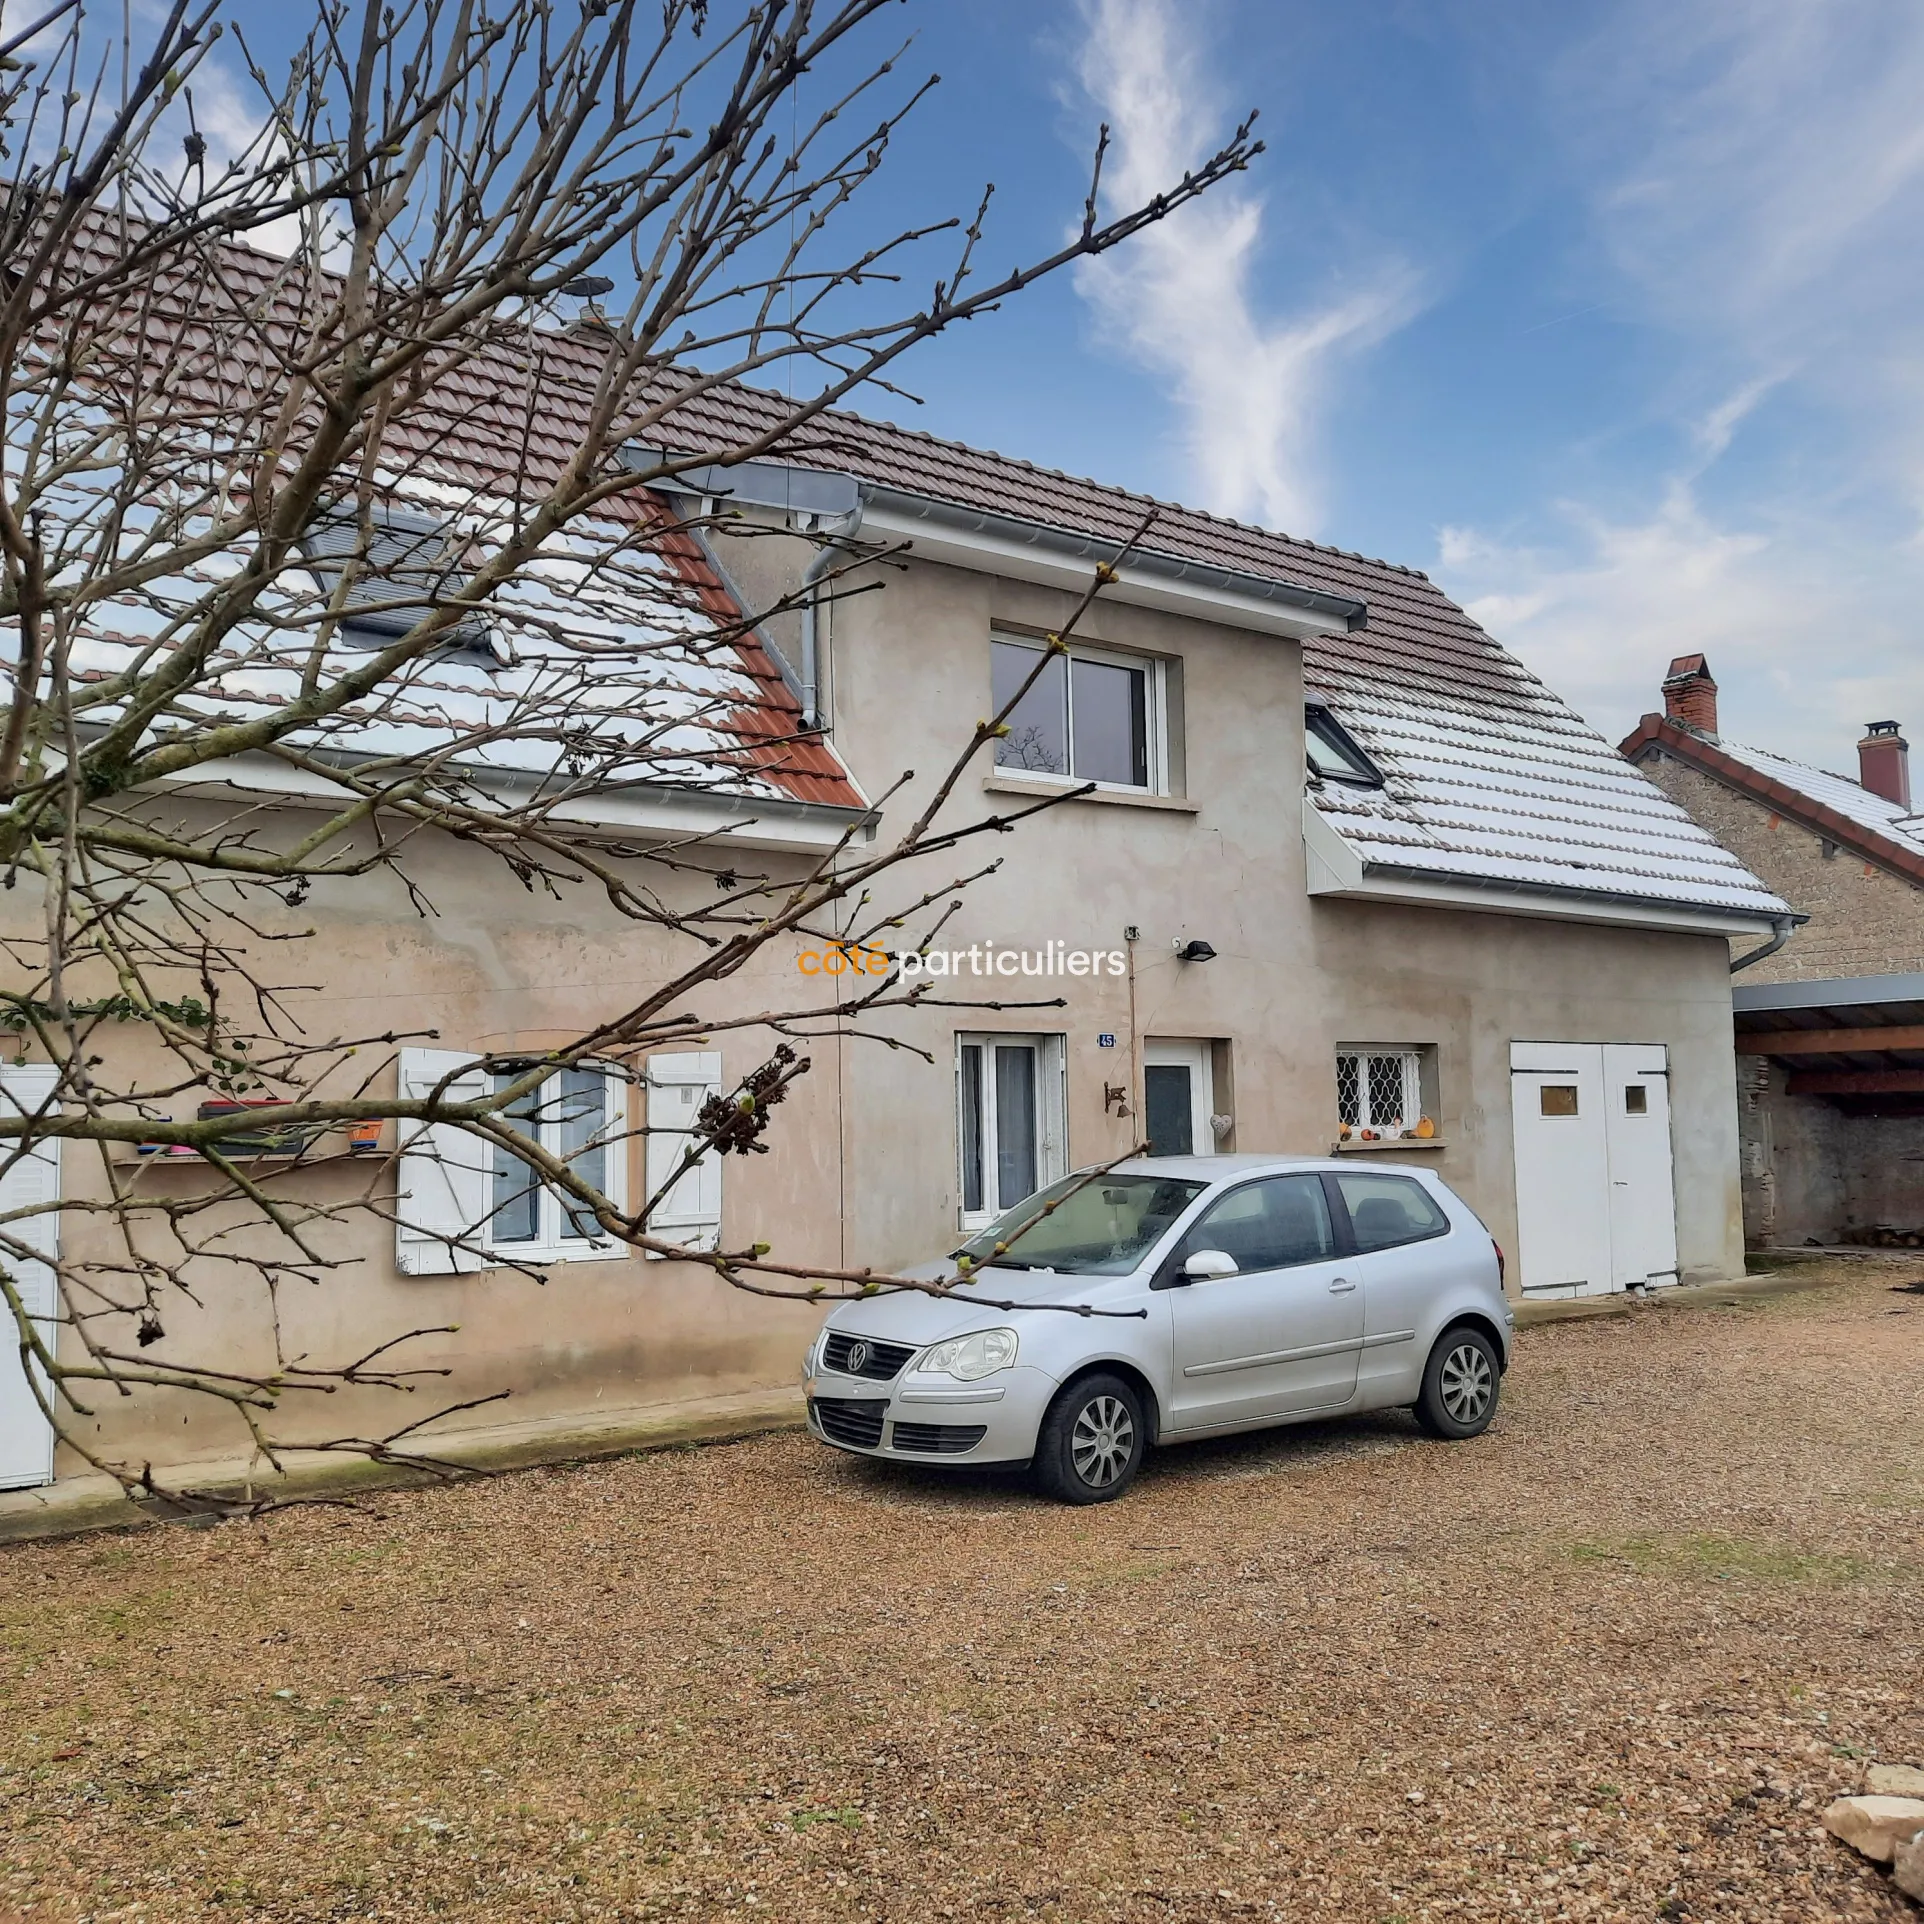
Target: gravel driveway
column 1605, row 1662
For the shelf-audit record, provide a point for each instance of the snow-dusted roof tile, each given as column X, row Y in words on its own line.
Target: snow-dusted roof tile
column 1850, row 799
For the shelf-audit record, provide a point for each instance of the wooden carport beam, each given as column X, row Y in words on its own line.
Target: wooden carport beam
column 1820, row 1042
column 1858, row 1082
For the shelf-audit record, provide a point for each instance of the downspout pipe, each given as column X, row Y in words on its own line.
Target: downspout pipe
column 1782, row 925
column 812, row 577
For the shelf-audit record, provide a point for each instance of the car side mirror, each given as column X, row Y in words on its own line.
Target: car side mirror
column 1207, row 1264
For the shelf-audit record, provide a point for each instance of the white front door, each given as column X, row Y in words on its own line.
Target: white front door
column 1178, row 1097
column 26, row 1437
column 1596, row 1208
column 1643, row 1212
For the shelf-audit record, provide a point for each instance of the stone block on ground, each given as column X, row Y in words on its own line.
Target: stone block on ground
column 1894, row 1780
column 1907, row 1869
column 1875, row 1826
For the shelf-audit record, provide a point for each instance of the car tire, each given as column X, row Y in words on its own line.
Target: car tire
column 1461, row 1384
column 1092, row 1441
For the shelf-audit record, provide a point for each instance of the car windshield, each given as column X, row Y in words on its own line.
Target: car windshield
column 1097, row 1227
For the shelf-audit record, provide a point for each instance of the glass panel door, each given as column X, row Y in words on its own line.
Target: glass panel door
column 1009, row 1121
column 1171, row 1108
column 1015, row 1123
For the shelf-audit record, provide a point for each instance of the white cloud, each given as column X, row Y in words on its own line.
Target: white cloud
column 1179, row 298
column 1758, row 177
column 1810, row 632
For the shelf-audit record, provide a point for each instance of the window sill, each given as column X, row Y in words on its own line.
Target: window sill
column 1000, row 784
column 541, row 1255
column 1352, row 1147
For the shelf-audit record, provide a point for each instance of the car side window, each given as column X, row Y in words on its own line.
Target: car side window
column 1387, row 1210
column 1268, row 1224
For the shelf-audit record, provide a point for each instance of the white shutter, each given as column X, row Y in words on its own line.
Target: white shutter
column 446, row 1174
column 678, row 1084
column 26, row 1437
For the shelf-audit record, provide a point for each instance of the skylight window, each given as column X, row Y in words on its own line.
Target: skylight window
column 1333, row 752
column 399, row 567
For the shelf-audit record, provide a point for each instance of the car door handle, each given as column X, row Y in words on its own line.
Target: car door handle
column 1341, row 1287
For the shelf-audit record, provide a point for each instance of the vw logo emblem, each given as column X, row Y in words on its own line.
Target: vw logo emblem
column 857, row 1356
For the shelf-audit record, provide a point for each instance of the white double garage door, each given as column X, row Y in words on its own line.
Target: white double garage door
column 1595, row 1197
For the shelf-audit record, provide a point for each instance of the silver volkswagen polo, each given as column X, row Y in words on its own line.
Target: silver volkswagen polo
column 1229, row 1293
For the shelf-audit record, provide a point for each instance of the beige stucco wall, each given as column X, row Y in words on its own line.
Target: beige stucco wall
column 1292, row 977
column 492, row 967
column 864, row 1166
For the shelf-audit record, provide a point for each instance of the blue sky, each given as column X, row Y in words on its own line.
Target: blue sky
column 1609, row 314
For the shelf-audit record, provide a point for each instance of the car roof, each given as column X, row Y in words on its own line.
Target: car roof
column 1216, row 1168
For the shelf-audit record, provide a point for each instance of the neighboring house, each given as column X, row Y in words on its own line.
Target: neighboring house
column 1367, row 884
column 1830, row 1025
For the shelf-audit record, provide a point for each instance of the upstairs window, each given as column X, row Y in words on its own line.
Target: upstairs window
column 1090, row 717
column 1334, row 753
column 399, row 567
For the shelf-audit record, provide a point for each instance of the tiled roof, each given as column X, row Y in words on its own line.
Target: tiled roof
column 1850, row 799
column 700, row 713
column 1833, row 805
column 1492, row 777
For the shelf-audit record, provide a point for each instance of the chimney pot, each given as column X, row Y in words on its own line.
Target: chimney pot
column 1884, row 763
column 1690, row 694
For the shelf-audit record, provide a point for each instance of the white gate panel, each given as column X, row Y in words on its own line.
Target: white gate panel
column 1562, row 1168
column 1643, row 1196
column 26, row 1437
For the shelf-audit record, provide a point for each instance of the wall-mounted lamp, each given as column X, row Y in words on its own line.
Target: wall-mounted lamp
column 1197, row 951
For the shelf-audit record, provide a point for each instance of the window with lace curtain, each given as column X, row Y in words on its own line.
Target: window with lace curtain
column 1379, row 1088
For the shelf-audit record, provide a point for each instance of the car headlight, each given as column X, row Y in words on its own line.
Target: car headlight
column 968, row 1357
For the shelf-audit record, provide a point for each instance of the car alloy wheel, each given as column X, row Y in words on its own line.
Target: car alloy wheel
column 1102, row 1441
column 1090, row 1444
column 1466, row 1383
column 1461, row 1384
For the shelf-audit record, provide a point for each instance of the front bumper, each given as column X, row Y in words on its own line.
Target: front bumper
column 931, row 1419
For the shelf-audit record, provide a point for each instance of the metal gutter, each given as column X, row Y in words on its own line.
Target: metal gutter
column 821, row 495
column 1153, row 562
column 1602, row 898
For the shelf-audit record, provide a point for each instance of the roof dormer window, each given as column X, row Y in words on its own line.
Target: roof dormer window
column 399, row 566
column 1333, row 752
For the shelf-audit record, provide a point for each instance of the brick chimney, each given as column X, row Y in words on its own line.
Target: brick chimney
column 1690, row 694
column 1884, row 763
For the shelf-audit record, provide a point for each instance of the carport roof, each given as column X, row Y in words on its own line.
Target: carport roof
column 1858, row 1040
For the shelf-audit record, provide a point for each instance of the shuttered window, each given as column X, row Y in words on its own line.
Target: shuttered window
column 463, row 1201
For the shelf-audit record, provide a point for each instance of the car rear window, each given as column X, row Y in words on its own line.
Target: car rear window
column 1387, row 1210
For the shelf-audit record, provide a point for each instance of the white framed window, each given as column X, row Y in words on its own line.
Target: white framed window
column 1379, row 1088
column 578, row 1116
column 1092, row 716
column 1011, row 1138
column 461, row 1203
column 1334, row 753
